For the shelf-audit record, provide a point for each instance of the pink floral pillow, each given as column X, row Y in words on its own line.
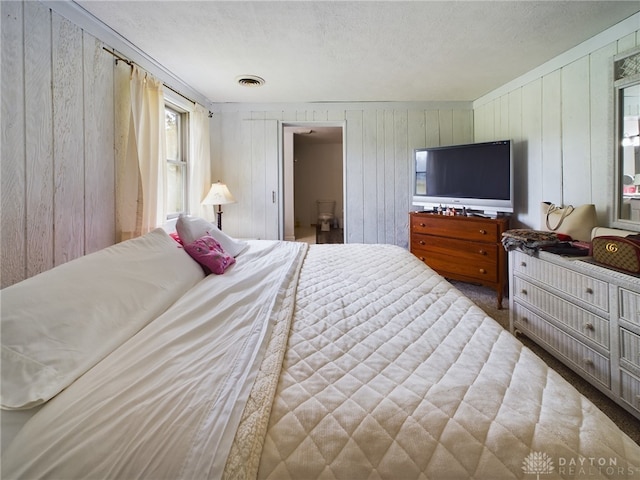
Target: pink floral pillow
column 208, row 253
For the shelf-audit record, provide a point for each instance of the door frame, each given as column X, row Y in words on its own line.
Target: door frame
column 284, row 169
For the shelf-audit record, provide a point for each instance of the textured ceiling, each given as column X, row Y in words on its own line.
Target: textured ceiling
column 332, row 51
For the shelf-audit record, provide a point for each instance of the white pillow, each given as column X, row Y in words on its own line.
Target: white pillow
column 60, row 323
column 191, row 229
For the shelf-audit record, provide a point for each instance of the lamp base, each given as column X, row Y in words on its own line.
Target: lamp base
column 219, row 214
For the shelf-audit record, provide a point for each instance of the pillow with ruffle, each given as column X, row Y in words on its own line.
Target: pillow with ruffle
column 210, row 255
column 60, row 323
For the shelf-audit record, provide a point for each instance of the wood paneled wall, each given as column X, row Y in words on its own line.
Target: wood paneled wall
column 379, row 142
column 57, row 153
column 562, row 122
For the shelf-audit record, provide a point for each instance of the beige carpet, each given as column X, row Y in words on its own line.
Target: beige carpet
column 485, row 298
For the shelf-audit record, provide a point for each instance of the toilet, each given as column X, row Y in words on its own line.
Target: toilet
column 326, row 214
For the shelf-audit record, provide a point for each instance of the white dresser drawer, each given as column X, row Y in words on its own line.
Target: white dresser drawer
column 630, row 389
column 583, row 313
column 575, row 352
column 629, row 305
column 583, row 287
column 630, row 347
column 583, row 322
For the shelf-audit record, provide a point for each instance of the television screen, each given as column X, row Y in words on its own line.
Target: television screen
column 477, row 176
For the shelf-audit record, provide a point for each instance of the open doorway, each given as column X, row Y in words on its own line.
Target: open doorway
column 313, row 183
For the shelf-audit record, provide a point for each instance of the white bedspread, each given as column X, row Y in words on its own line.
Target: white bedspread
column 166, row 403
column 391, row 374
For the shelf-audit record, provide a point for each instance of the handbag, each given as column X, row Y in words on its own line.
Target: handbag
column 622, row 253
column 577, row 222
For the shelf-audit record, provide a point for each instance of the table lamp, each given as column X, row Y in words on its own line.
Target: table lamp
column 219, row 195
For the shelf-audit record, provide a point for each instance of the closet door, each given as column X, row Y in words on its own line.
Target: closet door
column 257, row 178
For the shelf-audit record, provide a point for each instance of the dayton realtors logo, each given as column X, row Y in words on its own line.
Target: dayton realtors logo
column 538, row 463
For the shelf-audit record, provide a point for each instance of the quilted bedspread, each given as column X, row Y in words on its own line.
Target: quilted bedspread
column 391, row 373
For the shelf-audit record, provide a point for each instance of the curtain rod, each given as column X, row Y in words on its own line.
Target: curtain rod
column 131, row 63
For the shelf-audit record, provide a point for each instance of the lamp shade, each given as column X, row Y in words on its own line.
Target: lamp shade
column 219, row 194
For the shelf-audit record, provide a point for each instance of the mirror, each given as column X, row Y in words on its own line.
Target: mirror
column 627, row 83
column 629, row 152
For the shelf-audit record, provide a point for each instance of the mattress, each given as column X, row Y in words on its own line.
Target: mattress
column 332, row 361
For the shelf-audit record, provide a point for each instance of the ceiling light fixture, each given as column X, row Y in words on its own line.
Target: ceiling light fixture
column 250, row 81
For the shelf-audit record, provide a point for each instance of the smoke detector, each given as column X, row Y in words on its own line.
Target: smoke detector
column 250, row 81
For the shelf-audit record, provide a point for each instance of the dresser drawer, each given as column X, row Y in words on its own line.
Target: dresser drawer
column 468, row 228
column 630, row 347
column 581, row 321
column 481, row 271
column 578, row 354
column 588, row 289
column 473, row 251
column 630, row 389
column 629, row 306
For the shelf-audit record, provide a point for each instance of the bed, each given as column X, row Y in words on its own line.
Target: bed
column 298, row 362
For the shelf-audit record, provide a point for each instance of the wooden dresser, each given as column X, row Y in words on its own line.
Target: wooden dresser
column 462, row 248
column 586, row 315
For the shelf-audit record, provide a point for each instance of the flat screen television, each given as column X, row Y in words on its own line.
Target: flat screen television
column 476, row 176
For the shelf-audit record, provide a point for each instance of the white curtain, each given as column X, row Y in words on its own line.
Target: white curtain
column 200, row 164
column 147, row 113
column 141, row 175
column 127, row 173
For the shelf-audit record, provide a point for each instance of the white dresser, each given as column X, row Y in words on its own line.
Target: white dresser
column 586, row 315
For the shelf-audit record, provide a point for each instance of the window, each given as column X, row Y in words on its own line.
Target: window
column 176, row 138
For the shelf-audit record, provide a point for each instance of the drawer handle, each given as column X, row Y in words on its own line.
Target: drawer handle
column 524, row 291
column 589, row 326
column 589, row 290
column 482, row 270
column 422, row 225
column 523, row 264
column 588, row 363
column 483, row 232
column 421, row 258
column 482, row 252
column 422, row 242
